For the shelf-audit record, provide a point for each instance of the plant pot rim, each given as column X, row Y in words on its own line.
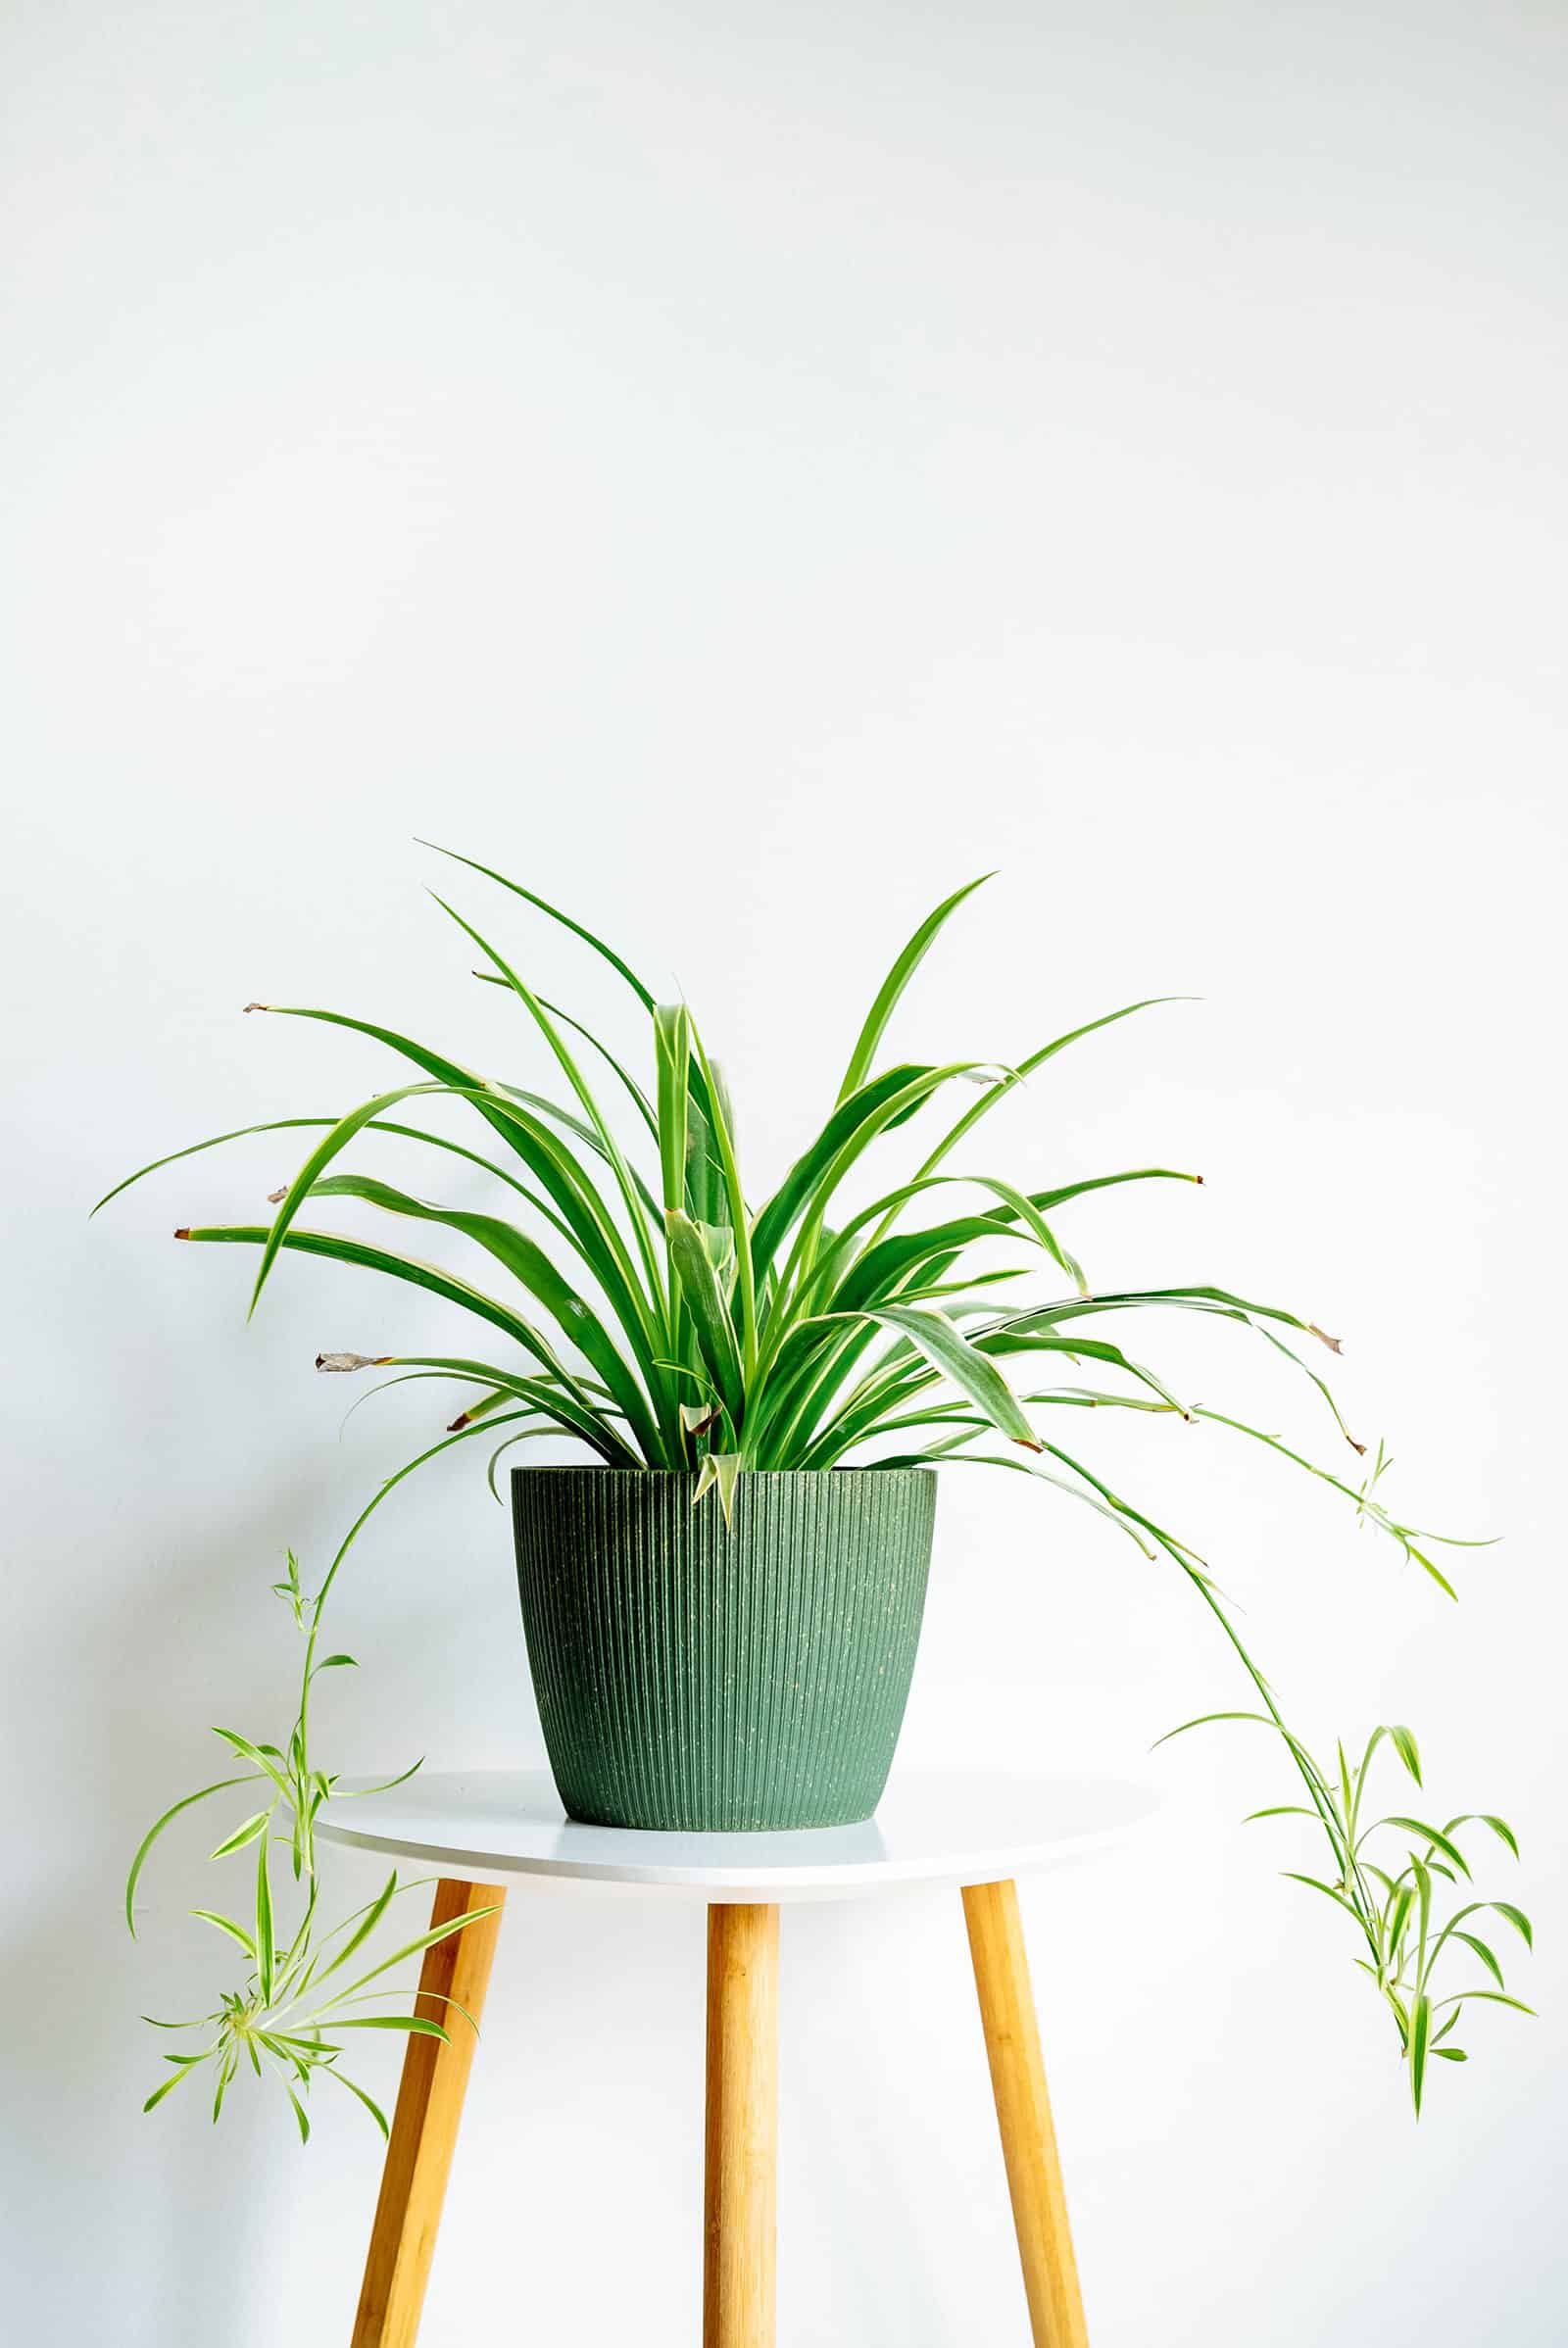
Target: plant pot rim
column 647, row 1475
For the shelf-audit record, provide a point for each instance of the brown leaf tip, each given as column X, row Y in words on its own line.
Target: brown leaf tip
column 183, row 1233
column 457, row 1425
column 1333, row 1344
column 258, row 1007
column 277, row 1198
column 348, row 1361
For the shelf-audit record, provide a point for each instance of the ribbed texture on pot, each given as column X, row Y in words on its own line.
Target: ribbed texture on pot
column 712, row 1678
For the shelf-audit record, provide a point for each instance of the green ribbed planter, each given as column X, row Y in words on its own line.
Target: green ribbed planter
column 719, row 1678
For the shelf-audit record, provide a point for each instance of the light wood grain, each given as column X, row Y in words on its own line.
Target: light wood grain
column 741, row 2143
column 424, row 2125
column 1023, row 2115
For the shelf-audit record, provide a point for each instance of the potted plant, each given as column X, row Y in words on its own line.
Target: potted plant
column 723, row 1604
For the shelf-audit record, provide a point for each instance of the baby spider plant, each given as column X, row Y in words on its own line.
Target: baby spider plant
column 1396, row 1915
column 306, row 1988
column 637, row 1296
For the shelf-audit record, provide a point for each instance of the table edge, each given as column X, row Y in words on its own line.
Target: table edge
column 735, row 1884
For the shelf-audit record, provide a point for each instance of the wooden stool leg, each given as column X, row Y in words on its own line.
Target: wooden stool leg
column 424, row 2125
column 1023, row 2115
column 741, row 2191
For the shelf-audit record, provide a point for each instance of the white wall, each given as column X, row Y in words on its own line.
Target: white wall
column 745, row 471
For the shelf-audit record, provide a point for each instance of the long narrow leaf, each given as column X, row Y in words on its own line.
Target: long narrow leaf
column 156, row 1828
column 780, row 1214
column 227, row 1924
column 672, row 1029
column 266, row 1944
column 704, row 1300
column 631, row 1193
column 555, row 913
column 339, row 1248
column 893, row 986
column 1420, row 2031
column 1025, row 1068
column 528, row 1263
column 949, row 1351
column 721, row 1124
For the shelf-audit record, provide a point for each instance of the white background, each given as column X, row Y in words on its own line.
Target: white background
column 745, row 471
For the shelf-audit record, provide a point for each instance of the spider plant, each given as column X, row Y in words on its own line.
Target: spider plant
column 659, row 1315
column 289, row 2019
column 1396, row 1915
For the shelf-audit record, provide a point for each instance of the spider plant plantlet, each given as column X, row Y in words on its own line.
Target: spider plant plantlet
column 779, row 1363
column 288, row 2020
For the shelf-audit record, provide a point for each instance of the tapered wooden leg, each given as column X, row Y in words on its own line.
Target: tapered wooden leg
column 424, row 2127
column 1023, row 2115
column 740, row 2201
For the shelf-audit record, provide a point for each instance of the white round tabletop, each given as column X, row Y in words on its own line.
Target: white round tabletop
column 505, row 1825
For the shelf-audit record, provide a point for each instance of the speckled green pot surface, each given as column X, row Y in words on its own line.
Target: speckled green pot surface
column 719, row 1678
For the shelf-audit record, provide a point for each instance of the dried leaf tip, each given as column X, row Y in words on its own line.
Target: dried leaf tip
column 183, row 1233
column 277, row 1198
column 351, row 1361
column 457, row 1425
column 258, row 1007
column 1333, row 1344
